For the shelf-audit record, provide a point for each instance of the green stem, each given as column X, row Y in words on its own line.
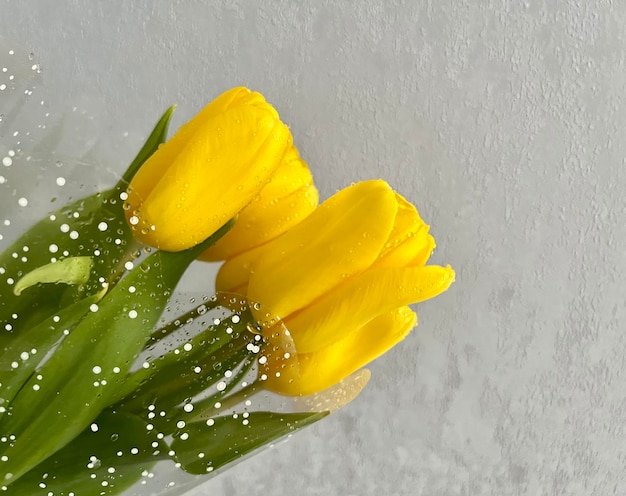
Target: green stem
column 120, row 269
column 170, row 381
column 207, row 409
column 180, row 321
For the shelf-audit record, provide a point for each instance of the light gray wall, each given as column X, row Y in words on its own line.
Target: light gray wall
column 503, row 121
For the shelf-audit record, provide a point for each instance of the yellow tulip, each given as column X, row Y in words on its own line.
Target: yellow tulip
column 342, row 278
column 207, row 172
column 287, row 199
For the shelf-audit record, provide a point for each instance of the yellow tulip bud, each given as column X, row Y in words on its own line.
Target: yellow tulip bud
column 342, row 278
column 207, row 172
column 287, row 199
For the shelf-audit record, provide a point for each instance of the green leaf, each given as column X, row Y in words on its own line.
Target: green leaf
column 88, row 226
column 115, row 455
column 179, row 391
column 52, row 238
column 30, row 347
column 175, row 377
column 156, row 138
column 201, row 448
column 73, row 270
column 208, row 403
column 85, row 373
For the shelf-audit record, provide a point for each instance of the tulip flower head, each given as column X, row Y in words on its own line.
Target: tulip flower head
column 340, row 281
column 207, row 172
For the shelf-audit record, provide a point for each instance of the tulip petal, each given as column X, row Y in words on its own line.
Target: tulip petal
column 153, row 170
column 287, row 199
column 407, row 222
column 234, row 274
column 198, row 193
column 319, row 370
column 361, row 299
column 340, row 238
column 409, row 242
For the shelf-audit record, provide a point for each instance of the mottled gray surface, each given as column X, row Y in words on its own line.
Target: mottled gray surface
column 504, row 122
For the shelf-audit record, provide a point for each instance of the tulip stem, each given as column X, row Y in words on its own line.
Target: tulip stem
column 180, row 321
column 208, row 409
column 120, row 268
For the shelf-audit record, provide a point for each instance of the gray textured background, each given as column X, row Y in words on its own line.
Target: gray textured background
column 503, row 122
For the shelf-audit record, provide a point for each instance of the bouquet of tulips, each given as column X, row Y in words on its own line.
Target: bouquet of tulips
column 97, row 386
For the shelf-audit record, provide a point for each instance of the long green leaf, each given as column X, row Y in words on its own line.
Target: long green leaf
column 185, row 375
column 104, row 462
column 85, row 227
column 189, row 386
column 84, row 374
column 32, row 345
column 156, row 138
column 201, row 448
column 52, row 238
